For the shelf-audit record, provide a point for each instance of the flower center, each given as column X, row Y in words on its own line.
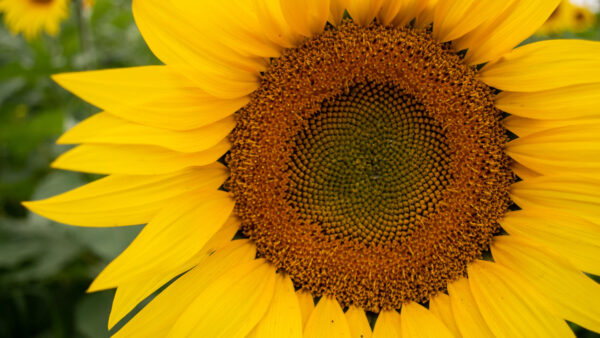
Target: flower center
column 369, row 166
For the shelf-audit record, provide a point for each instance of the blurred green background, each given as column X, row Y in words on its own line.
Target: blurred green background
column 46, row 267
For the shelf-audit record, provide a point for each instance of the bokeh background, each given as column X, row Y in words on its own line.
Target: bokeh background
column 46, row 267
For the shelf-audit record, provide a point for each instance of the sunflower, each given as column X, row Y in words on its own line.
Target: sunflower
column 568, row 17
column 345, row 169
column 30, row 17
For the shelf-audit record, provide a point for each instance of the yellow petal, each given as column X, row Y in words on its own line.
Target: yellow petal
column 407, row 11
column 439, row 305
column 570, row 149
column 276, row 27
column 231, row 305
column 565, row 103
column 364, row 11
column 567, row 234
column 130, row 294
column 135, row 159
column 501, row 34
column 572, row 194
column 180, row 36
column 390, row 9
column 283, row 318
column 522, row 126
column 172, row 238
column 327, row 320
column 104, row 128
column 157, row 318
column 156, row 96
column 234, row 24
column 575, row 296
column 425, row 18
column 125, row 199
column 545, row 65
column 524, row 172
column 469, row 321
column 358, row 323
column 337, row 8
column 387, row 325
column 511, row 306
column 306, row 17
column 307, row 305
column 188, row 42
column 455, row 18
column 416, row 321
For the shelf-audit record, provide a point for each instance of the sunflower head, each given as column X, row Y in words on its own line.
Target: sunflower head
column 284, row 155
column 31, row 17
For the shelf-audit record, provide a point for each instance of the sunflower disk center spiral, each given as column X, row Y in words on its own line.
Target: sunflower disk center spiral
column 369, row 166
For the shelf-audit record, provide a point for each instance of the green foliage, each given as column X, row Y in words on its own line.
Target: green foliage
column 46, row 267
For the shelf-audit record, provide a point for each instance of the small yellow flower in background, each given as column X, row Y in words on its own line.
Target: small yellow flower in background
column 568, row 18
column 30, row 17
column 364, row 166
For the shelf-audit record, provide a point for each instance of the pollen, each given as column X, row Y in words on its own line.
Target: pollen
column 369, row 166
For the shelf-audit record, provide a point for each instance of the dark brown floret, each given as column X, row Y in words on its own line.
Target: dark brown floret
column 369, row 165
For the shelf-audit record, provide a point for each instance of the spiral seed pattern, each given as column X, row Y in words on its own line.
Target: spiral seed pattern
column 369, row 166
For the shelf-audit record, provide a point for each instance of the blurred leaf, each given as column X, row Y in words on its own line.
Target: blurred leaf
column 91, row 316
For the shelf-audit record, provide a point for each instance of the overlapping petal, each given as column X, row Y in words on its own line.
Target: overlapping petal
column 158, row 317
column 105, row 128
column 157, row 96
column 501, row 33
column 511, row 306
column 125, row 199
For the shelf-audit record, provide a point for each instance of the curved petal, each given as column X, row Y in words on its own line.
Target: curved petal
column 416, row 321
column 283, row 318
column 157, row 318
column 401, row 12
column 439, row 305
column 173, row 237
column 231, row 305
column 358, row 323
column 104, row 128
column 156, row 96
column 307, row 305
column 545, row 65
column 337, row 8
column 364, row 11
column 215, row 40
column 567, row 234
column 575, row 295
column 174, row 37
column 522, row 126
column 511, row 306
column 327, row 321
column 135, row 159
column 501, row 34
column 523, row 172
column 565, row 103
column 570, row 149
column 469, row 321
column 454, row 18
column 119, row 200
column 571, row 194
column 387, row 325
column 130, row 294
column 270, row 14
column 306, row 17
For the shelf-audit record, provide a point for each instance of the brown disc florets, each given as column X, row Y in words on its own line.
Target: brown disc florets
column 369, row 166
